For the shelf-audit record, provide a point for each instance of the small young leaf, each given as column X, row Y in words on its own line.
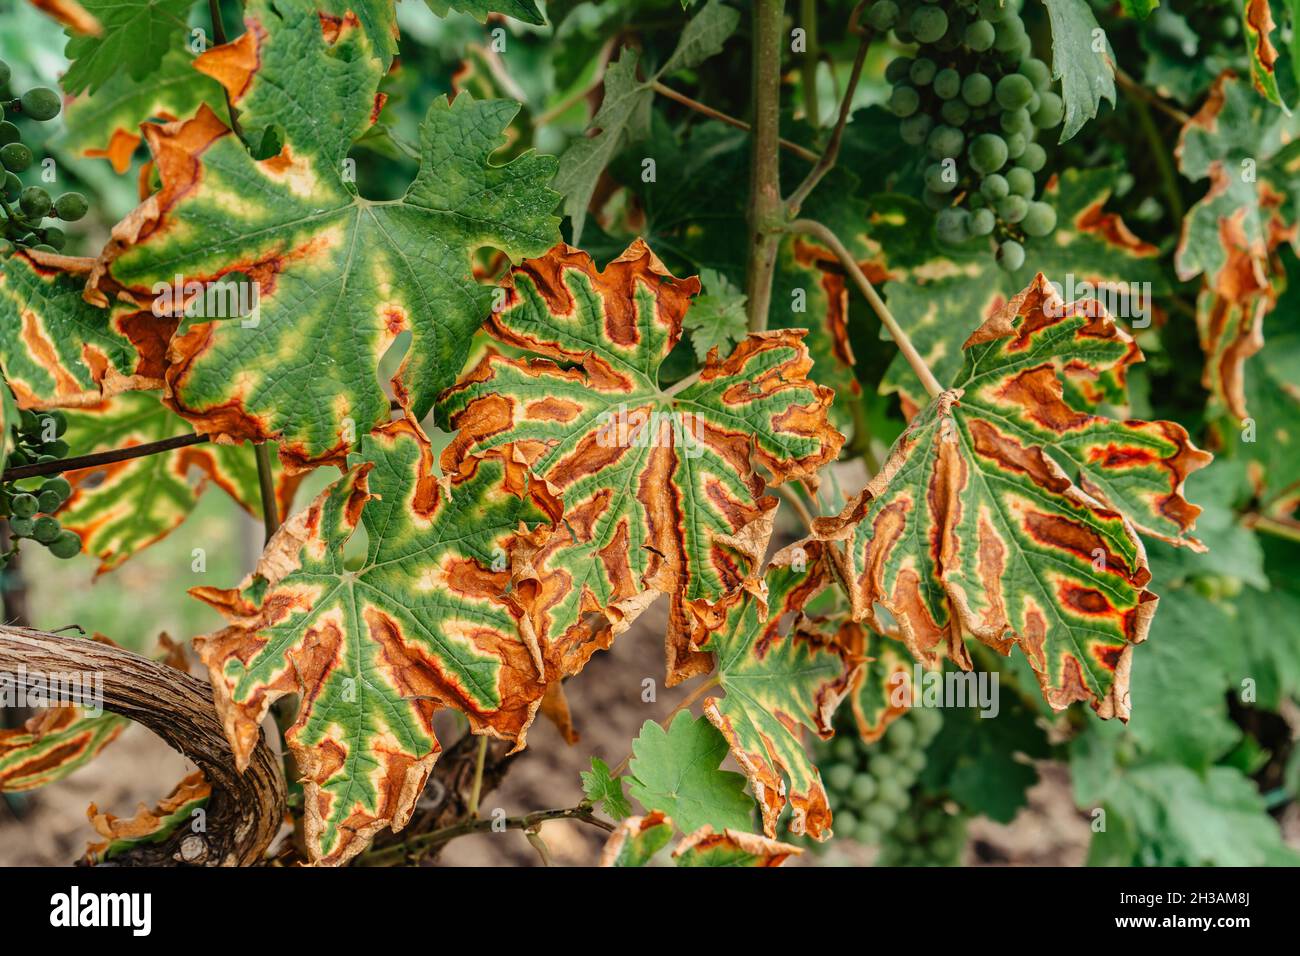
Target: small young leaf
column 717, row 318
column 605, row 791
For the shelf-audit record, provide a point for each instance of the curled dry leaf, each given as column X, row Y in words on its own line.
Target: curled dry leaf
column 704, row 847
column 148, row 825
column 1010, row 514
column 52, row 745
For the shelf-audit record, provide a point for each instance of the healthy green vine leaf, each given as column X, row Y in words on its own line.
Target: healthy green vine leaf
column 717, row 318
column 1082, row 59
column 780, row 677
column 661, row 488
column 636, row 840
column 375, row 646
column 53, row 744
column 316, row 256
column 1008, row 513
column 676, row 771
column 605, row 791
column 134, row 36
column 705, row 847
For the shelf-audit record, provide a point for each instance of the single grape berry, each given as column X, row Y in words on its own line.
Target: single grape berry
column 1010, row 32
column 35, row 202
column 954, row 112
column 40, row 103
column 947, row 83
column 1013, row 208
column 47, row 502
column 1016, row 121
column 882, row 15
column 1034, row 158
column 16, row 157
column 1013, row 91
column 1011, row 255
column 1040, row 220
column 21, row 527
column 928, row 24
column 915, row 128
column 977, row 89
column 922, row 71
column 945, row 142
column 28, row 421
column 55, row 237
column 71, row 206
column 58, row 448
column 980, row 35
column 58, row 486
column 898, row 69
column 1037, row 72
column 23, row 505
column 9, row 133
column 1021, row 181
column 59, row 420
column 1051, row 110
column 46, row 529
column 939, row 179
column 13, row 187
column 982, row 222
column 66, row 545
column 951, row 226
column 1016, row 144
column 988, row 153
column 839, row 777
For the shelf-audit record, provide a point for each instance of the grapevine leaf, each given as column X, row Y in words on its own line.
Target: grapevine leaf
column 1139, row 8
column 976, row 526
column 717, row 319
column 321, row 256
column 57, row 350
column 661, row 491
column 1270, row 643
column 881, row 691
column 106, row 123
column 1257, row 24
column 52, row 745
column 705, row 847
column 424, row 622
column 780, row 677
column 1082, row 60
column 524, row 10
column 636, row 840
column 121, row 508
column 604, row 790
column 676, row 771
column 134, row 36
column 377, row 17
column 174, row 811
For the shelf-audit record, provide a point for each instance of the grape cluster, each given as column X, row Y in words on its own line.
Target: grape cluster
column 974, row 97
column 29, row 508
column 25, row 209
column 869, row 784
column 932, row 834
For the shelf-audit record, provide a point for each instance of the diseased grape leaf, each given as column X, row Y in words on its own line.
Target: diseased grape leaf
column 53, row 744
column 780, row 678
column 605, row 791
column 1257, row 24
column 1087, row 74
column 636, row 840
column 881, row 690
column 105, row 124
column 332, row 269
column 121, row 508
column 676, row 771
column 172, row 812
column 1009, row 513
column 59, row 351
column 426, row 620
column 134, row 36
column 716, row 318
column 662, row 492
column 705, row 847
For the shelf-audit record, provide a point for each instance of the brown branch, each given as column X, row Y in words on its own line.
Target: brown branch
column 101, row 458
column 1137, row 89
column 246, row 809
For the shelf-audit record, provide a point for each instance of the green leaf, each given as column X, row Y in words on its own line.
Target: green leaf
column 322, row 256
column 676, row 771
column 53, row 744
column 717, row 318
column 605, row 791
column 1139, row 8
column 135, row 36
column 636, row 840
column 524, row 10
column 425, row 620
column 1082, row 59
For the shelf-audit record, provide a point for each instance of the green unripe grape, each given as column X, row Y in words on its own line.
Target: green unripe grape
column 1013, row 208
column 867, row 834
column 977, row 89
column 883, row 767
column 992, row 10
column 16, row 157
column 1013, row 91
column 915, row 128
column 955, row 112
column 947, row 83
column 988, row 153
column 1011, row 254
column 1016, row 121
column 904, row 101
column 882, row 15
column 937, row 181
column 901, row 735
column 9, row 133
column 1229, row 28
column 1050, row 112
column 13, row 187
column 894, row 796
column 58, row 486
column 40, row 103
column 48, row 502
column 46, row 529
column 934, row 201
column 880, row 815
column 928, row 24
column 66, row 545
column 951, row 226
column 44, row 247
column 71, row 206
column 980, row 35
column 915, row 761
column 840, row 777
column 1010, row 32
column 22, row 527
column 928, row 723
column 28, row 420
column 1040, row 220
column 1035, row 101
column 981, row 223
column 994, row 187
column 1021, row 181
column 54, row 237
column 846, row 821
column 35, row 202
column 944, row 142
column 844, row 749
column 23, row 505
column 1016, row 144
column 898, row 69
column 1037, row 72
column 922, row 71
column 864, row 788
column 58, row 448
column 1033, row 158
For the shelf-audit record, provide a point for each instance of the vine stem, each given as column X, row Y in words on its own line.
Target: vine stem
column 266, row 484
column 810, row 227
column 808, row 66
column 218, row 28
column 1137, row 89
column 101, row 458
column 1168, row 181
column 1281, row 529
column 476, row 791
column 766, row 212
column 702, row 108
